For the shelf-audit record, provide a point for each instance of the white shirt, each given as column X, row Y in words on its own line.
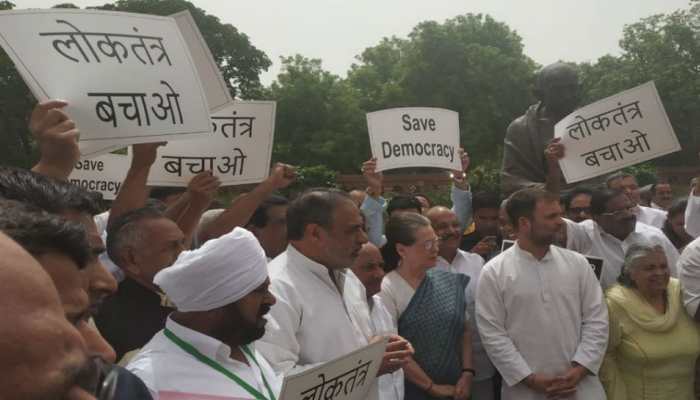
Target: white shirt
column 170, row 372
column 689, row 275
column 587, row 237
column 692, row 216
column 470, row 264
column 390, row 385
column 651, row 216
column 313, row 321
column 540, row 316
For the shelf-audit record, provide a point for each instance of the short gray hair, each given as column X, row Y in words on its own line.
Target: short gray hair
column 633, row 254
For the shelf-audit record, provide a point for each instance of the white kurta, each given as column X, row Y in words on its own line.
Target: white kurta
column 390, row 385
column 692, row 216
column 313, row 321
column 651, row 216
column 169, row 372
column 539, row 316
column 588, row 238
column 689, row 275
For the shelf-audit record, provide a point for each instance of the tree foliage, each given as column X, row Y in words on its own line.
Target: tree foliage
column 664, row 48
column 319, row 120
column 471, row 64
column 240, row 62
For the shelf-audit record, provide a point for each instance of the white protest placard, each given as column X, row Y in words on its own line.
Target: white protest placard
column 414, row 137
column 238, row 151
column 616, row 132
column 218, row 95
column 346, row 378
column 128, row 78
column 103, row 174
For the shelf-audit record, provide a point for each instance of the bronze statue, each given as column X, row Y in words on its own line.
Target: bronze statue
column 524, row 165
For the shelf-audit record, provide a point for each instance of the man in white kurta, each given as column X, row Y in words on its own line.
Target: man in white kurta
column 646, row 215
column 542, row 320
column 170, row 373
column 590, row 237
column 689, row 275
column 321, row 311
column 692, row 213
column 205, row 351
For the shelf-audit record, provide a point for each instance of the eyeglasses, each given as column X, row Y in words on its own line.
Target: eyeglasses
column 618, row 213
column 430, row 244
column 580, row 210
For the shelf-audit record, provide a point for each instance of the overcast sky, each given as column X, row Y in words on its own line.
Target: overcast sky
column 337, row 30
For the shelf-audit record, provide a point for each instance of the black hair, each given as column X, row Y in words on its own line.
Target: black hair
column 600, row 199
column 48, row 194
column 124, row 230
column 403, row 202
column 678, row 207
column 400, row 229
column 314, row 206
column 523, row 202
column 486, row 200
column 40, row 232
column 579, row 190
column 259, row 217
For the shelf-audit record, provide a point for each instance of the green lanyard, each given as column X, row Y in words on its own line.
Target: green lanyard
column 208, row 361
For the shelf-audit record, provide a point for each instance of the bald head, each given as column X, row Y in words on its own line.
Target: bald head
column 369, row 268
column 446, row 225
column 557, row 87
column 41, row 353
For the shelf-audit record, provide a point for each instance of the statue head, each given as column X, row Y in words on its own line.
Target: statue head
column 557, row 87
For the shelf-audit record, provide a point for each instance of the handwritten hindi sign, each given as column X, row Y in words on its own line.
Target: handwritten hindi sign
column 218, row 95
column 238, row 151
column 618, row 131
column 103, row 174
column 414, row 137
column 346, row 378
column 128, row 78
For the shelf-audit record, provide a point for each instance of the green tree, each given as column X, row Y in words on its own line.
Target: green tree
column 319, row 120
column 239, row 61
column 664, row 48
column 471, row 64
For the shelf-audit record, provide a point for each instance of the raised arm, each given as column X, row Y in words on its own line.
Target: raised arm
column 240, row 210
column 373, row 205
column 134, row 192
column 460, row 192
column 57, row 137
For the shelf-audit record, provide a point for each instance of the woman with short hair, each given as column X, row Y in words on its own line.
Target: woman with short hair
column 429, row 308
column 653, row 343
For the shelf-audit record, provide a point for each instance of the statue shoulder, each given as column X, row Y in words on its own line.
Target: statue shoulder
column 519, row 126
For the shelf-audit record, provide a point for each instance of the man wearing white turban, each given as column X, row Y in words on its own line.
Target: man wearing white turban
column 221, row 295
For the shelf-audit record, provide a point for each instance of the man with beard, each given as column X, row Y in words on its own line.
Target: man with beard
column 612, row 230
column 540, row 309
column 321, row 311
column 446, row 225
column 205, row 350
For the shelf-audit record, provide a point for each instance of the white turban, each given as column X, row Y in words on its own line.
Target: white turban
column 219, row 273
